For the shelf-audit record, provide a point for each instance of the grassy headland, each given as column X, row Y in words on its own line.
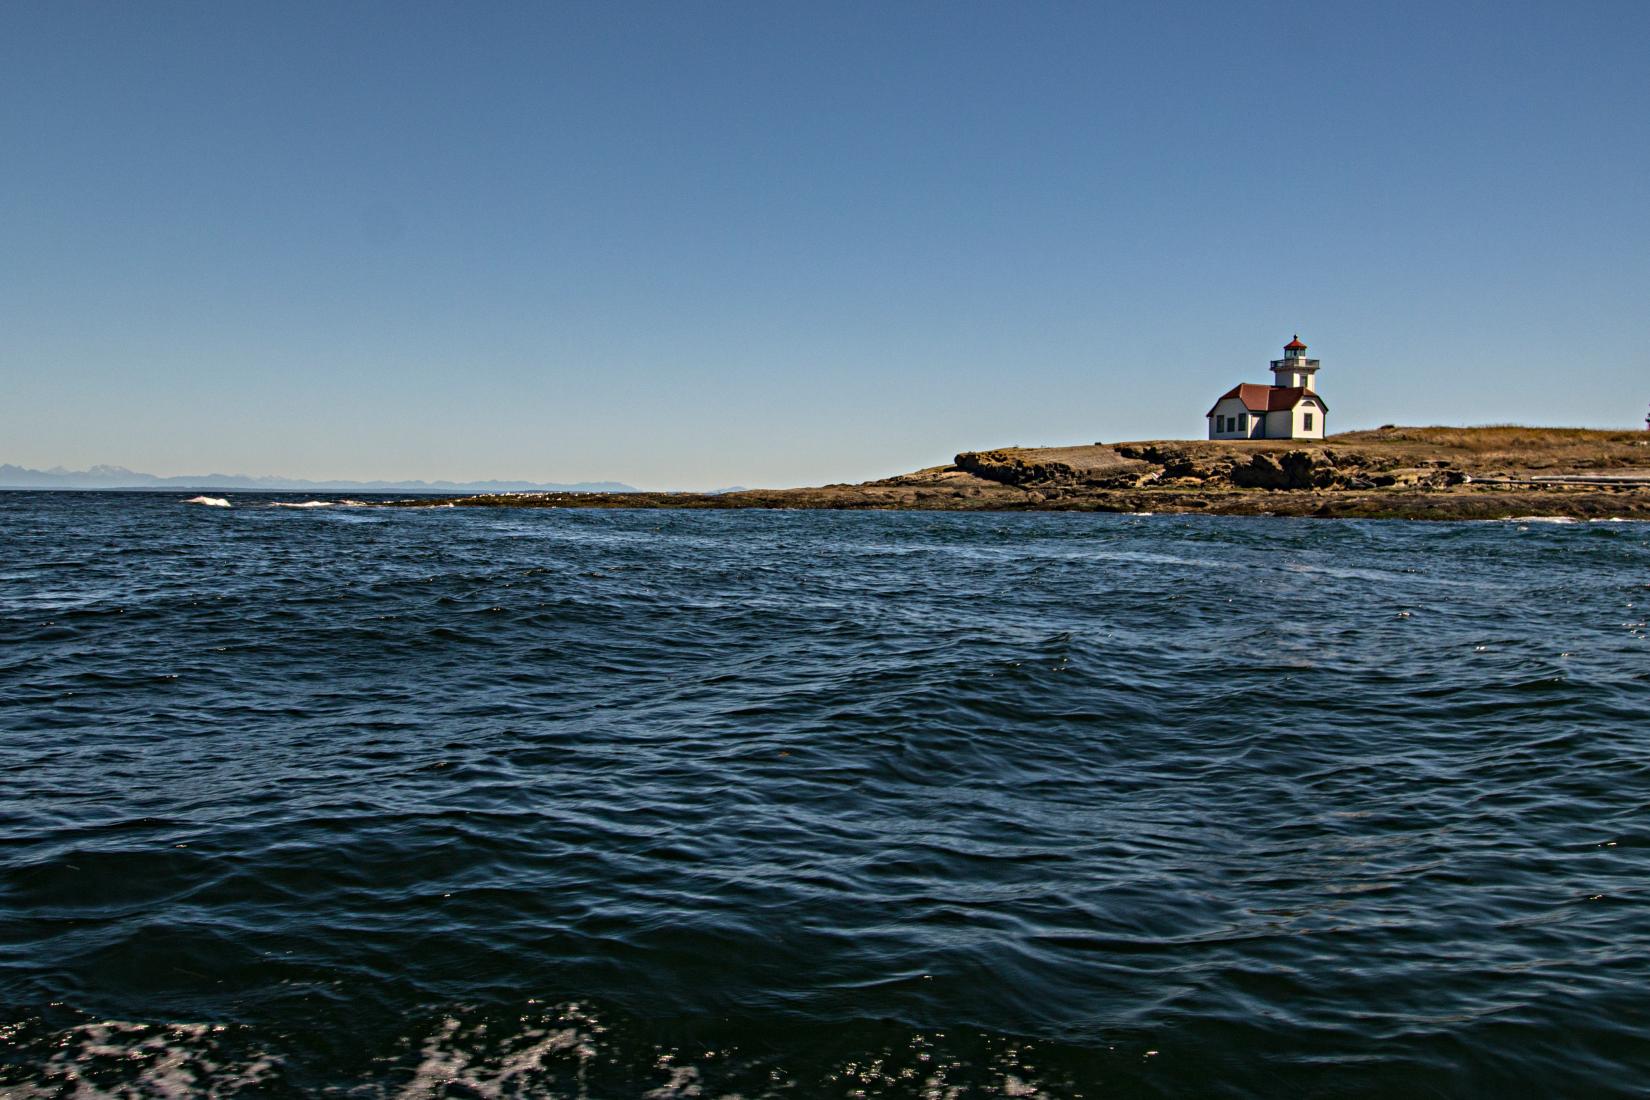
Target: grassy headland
column 1391, row 472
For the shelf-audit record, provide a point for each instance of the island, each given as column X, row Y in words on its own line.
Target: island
column 1386, row 473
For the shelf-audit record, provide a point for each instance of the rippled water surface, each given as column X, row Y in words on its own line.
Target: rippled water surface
column 453, row 802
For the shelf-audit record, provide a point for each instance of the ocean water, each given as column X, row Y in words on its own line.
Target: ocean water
column 340, row 801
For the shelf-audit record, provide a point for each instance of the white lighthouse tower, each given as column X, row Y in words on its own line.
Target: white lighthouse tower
column 1295, row 369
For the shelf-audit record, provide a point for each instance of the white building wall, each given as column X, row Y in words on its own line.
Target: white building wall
column 1280, row 425
column 1233, row 407
column 1298, row 417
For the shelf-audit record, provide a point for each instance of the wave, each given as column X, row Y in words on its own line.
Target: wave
column 210, row 502
column 567, row 1049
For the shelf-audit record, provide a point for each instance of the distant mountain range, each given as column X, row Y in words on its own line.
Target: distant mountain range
column 117, row 477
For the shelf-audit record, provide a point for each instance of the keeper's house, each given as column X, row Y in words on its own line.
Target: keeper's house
column 1289, row 408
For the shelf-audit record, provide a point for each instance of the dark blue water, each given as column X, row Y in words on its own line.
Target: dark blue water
column 501, row 802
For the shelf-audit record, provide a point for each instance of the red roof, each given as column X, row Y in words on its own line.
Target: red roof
column 1294, row 344
column 1261, row 399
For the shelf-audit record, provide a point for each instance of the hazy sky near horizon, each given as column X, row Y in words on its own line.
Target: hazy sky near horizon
column 703, row 244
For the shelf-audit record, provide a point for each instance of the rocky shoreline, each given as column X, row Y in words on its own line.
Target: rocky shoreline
column 1389, row 473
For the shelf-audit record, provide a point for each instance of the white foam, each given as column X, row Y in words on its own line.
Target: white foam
column 683, row 1085
column 445, row 1059
column 300, row 504
column 210, row 502
column 159, row 1060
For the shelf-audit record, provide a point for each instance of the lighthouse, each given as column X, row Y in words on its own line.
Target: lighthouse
column 1289, row 408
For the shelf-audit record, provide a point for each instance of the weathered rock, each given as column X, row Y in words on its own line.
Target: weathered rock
column 1180, row 461
column 1010, row 468
column 1290, row 470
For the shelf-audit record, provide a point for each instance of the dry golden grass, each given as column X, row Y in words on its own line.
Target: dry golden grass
column 1511, row 447
column 1492, row 449
column 1499, row 437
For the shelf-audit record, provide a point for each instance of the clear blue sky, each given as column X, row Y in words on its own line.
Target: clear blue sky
column 700, row 244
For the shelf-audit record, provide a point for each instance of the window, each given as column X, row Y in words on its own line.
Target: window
column 1308, row 419
column 1243, row 422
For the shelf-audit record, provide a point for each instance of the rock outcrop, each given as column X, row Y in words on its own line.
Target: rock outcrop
column 1389, row 472
column 1012, row 468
